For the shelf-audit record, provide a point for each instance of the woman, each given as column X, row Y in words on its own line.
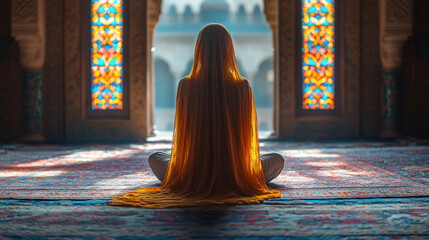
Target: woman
column 215, row 153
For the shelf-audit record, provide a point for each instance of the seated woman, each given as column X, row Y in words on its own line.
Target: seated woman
column 215, row 153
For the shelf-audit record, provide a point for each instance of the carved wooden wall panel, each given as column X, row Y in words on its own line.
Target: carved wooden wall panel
column 351, row 62
column 23, row 11
column 77, row 126
column 53, row 73
column 344, row 125
column 286, row 43
column 370, row 69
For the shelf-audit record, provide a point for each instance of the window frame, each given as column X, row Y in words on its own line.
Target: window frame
column 338, row 78
column 90, row 113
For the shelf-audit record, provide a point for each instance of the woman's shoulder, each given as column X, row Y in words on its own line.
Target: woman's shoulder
column 183, row 81
column 245, row 82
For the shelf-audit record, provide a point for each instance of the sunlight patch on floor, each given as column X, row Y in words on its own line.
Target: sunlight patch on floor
column 308, row 153
column 30, row 174
column 294, row 177
column 152, row 146
column 79, row 157
column 133, row 180
column 325, row 164
column 342, row 173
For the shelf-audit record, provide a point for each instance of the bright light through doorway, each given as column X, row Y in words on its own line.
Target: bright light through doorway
column 173, row 49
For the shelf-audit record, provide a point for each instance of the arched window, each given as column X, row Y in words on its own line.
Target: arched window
column 318, row 51
column 107, row 60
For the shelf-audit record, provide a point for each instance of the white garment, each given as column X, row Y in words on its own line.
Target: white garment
column 272, row 164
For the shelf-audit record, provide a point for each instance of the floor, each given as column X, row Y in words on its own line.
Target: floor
column 330, row 190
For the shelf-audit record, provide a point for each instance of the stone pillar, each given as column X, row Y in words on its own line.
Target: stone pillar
column 395, row 29
column 154, row 10
column 271, row 15
column 28, row 30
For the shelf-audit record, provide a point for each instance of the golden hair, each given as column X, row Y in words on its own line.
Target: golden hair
column 215, row 152
column 214, row 55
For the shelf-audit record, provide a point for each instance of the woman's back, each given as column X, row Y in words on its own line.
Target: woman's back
column 215, row 152
column 215, row 141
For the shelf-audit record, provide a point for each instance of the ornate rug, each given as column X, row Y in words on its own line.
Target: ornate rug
column 387, row 218
column 312, row 170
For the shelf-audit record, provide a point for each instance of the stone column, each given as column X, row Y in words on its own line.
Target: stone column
column 154, row 10
column 271, row 15
column 28, row 30
column 395, row 29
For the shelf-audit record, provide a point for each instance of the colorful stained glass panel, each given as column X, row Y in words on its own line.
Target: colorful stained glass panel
column 107, row 54
column 318, row 54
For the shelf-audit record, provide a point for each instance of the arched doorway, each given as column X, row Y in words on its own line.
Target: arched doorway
column 175, row 35
column 165, row 95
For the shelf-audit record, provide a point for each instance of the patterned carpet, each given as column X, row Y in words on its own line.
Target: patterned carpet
column 356, row 190
column 312, row 170
column 388, row 218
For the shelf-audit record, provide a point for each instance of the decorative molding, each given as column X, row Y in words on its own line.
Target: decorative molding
column 154, row 11
column 28, row 25
column 395, row 29
column 271, row 12
column 24, row 11
column 399, row 12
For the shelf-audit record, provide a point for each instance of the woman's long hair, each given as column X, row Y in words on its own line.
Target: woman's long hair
column 214, row 56
column 215, row 152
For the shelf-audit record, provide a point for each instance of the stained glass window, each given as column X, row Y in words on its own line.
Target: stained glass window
column 318, row 54
column 107, row 54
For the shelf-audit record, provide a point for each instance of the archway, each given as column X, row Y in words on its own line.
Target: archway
column 165, row 95
column 175, row 35
column 264, row 82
